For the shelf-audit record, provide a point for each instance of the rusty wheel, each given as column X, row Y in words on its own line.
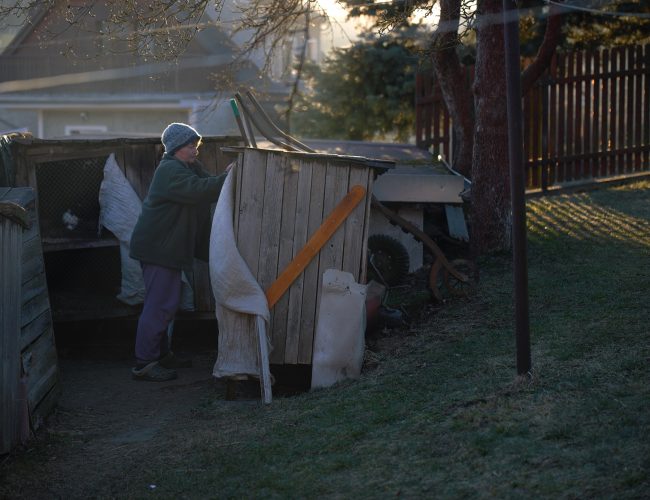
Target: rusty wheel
column 456, row 287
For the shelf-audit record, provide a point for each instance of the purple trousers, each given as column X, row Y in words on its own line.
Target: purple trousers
column 162, row 295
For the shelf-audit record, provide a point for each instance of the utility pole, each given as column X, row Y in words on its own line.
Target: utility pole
column 517, row 185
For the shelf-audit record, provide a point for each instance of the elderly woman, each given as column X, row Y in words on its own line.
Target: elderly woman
column 173, row 228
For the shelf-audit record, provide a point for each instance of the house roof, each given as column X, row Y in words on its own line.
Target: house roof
column 81, row 61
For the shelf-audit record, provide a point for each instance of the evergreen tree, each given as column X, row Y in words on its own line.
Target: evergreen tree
column 363, row 92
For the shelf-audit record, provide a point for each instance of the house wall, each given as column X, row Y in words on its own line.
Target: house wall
column 214, row 119
column 22, row 120
column 139, row 119
column 129, row 122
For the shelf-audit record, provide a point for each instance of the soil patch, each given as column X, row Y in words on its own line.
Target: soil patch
column 103, row 416
column 106, row 424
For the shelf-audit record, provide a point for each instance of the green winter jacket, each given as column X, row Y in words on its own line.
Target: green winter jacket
column 174, row 226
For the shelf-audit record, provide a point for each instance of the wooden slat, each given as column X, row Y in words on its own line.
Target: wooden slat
column 570, row 116
column 536, row 126
column 200, row 280
column 33, row 287
column 553, row 124
column 363, row 276
column 613, row 111
column 604, row 132
column 32, row 251
column 646, row 107
column 311, row 274
column 355, row 225
column 629, row 126
column 41, row 324
column 294, row 301
column 527, row 111
column 40, row 364
column 21, row 196
column 578, row 168
column 32, row 267
column 120, row 159
column 276, row 166
column 140, row 161
column 545, row 139
column 290, row 191
column 251, row 208
column 336, row 187
column 34, row 307
column 331, row 255
column 620, row 116
column 45, row 406
column 20, row 165
column 561, row 121
column 638, row 108
column 10, row 270
column 237, row 183
column 595, row 123
column 435, row 125
column 208, row 156
column 446, row 140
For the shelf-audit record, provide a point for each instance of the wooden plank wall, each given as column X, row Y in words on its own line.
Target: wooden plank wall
column 432, row 120
column 39, row 358
column 588, row 118
column 10, row 251
column 138, row 158
column 33, row 350
column 281, row 200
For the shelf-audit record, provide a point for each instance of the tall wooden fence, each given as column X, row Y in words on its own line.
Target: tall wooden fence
column 587, row 118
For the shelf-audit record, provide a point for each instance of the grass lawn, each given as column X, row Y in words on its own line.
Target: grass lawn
column 443, row 414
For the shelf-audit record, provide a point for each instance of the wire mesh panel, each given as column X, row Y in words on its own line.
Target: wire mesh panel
column 68, row 196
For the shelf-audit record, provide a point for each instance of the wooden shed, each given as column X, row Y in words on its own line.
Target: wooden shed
column 29, row 368
column 282, row 198
column 82, row 264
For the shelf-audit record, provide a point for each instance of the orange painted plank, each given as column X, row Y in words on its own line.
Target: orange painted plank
column 315, row 243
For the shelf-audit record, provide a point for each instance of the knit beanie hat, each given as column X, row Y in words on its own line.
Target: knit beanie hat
column 178, row 135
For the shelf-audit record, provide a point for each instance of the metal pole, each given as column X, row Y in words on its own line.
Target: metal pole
column 517, row 185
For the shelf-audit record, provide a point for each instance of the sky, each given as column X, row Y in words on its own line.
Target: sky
column 343, row 31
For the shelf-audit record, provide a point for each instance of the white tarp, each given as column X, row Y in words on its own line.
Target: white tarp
column 339, row 341
column 240, row 302
column 119, row 209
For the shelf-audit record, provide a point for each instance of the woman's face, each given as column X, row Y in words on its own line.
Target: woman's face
column 188, row 153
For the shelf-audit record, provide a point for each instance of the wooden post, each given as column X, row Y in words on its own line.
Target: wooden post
column 13, row 218
column 517, row 188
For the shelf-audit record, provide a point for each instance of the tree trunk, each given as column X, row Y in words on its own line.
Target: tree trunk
column 552, row 36
column 491, row 218
column 454, row 84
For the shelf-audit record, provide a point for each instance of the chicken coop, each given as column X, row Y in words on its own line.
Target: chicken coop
column 82, row 259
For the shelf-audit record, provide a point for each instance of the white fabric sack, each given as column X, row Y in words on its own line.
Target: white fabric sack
column 239, row 299
column 339, row 339
column 119, row 209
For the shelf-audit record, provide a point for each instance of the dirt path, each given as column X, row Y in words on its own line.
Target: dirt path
column 106, row 424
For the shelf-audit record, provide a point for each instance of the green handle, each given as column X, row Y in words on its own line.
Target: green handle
column 235, row 109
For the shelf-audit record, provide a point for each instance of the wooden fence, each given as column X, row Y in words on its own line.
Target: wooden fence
column 587, row 118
